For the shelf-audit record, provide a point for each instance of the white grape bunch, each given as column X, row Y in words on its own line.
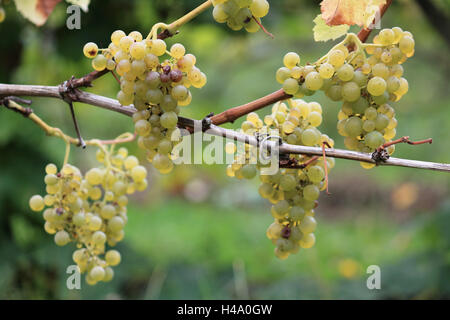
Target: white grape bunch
column 157, row 82
column 238, row 14
column 292, row 191
column 366, row 85
column 2, row 14
column 91, row 210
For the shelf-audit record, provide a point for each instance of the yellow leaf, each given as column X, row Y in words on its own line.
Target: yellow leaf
column 84, row 4
column 324, row 32
column 37, row 11
column 350, row 12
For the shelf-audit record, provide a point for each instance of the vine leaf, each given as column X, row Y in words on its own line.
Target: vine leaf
column 350, row 12
column 38, row 11
column 84, row 4
column 324, row 32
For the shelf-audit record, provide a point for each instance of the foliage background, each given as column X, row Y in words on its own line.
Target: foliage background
column 197, row 234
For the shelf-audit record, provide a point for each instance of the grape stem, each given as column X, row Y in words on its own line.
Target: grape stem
column 10, row 104
column 325, row 164
column 403, row 140
column 263, row 28
column 172, row 29
column 114, row 105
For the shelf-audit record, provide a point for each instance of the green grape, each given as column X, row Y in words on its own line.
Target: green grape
column 154, row 96
column 136, row 36
column 112, row 257
column 360, row 105
column 138, row 50
column 143, row 127
column 158, row 47
column 138, row 173
column 291, row 86
column 311, row 192
column 248, row 171
column 379, row 100
column 335, row 92
column 99, row 62
column 97, row 273
column 314, row 118
column 360, row 78
column 51, row 169
column 308, row 225
column 315, row 174
column 313, row 81
column 177, row 51
column 376, row 86
column 169, row 120
column 326, row 70
column 116, row 36
column 283, row 74
column 94, row 176
column 297, row 213
column 291, row 59
column 125, row 43
column 108, row 211
column 90, row 50
column 380, row 70
column 353, row 127
column 180, row 93
column 287, row 183
column 260, row 8
column 336, row 58
column 406, row 45
column 374, row 139
column 386, row 36
column 369, row 125
column 381, row 122
column 310, row 137
column 308, row 241
column 371, row 113
column 219, row 14
column 62, row 238
column 351, row 91
column 345, row 73
column 99, row 238
column 37, row 203
column 281, row 207
column 392, row 84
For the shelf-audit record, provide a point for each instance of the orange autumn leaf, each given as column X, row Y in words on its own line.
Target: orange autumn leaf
column 37, row 11
column 350, row 12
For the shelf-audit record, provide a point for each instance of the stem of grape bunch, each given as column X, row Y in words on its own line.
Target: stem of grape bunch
column 172, row 29
column 57, row 132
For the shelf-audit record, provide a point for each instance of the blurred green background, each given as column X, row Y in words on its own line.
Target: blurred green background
column 197, row 234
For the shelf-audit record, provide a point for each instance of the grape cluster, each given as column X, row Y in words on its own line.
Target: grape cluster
column 238, row 14
column 2, row 14
column 91, row 210
column 366, row 85
column 292, row 191
column 155, row 85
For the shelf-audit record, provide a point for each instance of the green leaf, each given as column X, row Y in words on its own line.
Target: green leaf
column 324, row 32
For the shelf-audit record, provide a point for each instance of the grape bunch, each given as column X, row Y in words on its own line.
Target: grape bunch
column 157, row 87
column 91, row 210
column 293, row 192
column 238, row 14
column 366, row 85
column 2, row 14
